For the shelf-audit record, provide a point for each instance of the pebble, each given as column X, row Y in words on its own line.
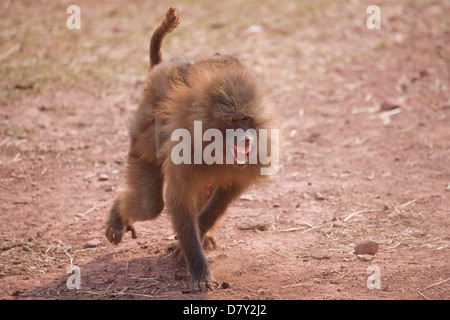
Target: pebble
column 247, row 197
column 319, row 197
column 321, row 256
column 103, row 177
column 365, row 247
column 366, row 257
column 109, row 189
column 94, row 243
column 337, row 224
column 390, row 104
column 261, row 226
column 313, row 137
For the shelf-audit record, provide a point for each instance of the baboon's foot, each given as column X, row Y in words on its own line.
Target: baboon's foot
column 209, row 242
column 116, row 228
column 202, row 282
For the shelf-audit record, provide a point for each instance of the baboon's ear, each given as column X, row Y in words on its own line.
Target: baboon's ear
column 216, row 54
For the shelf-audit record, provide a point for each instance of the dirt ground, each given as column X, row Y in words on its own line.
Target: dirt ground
column 366, row 134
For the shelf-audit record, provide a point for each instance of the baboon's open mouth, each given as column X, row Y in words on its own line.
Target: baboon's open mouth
column 241, row 156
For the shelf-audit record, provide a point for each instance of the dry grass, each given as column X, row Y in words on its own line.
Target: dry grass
column 20, row 256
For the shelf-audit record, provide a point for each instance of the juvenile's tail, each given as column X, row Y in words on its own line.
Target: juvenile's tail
column 166, row 26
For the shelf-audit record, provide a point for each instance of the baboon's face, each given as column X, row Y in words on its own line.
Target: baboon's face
column 230, row 101
column 234, row 117
column 242, row 142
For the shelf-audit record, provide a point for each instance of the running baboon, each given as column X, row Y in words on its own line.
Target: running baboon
column 222, row 94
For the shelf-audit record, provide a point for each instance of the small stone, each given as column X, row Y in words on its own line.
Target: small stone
column 109, row 189
column 366, row 247
column 17, row 293
column 247, row 197
column 225, row 285
column 366, row 257
column 321, row 256
column 313, row 137
column 19, row 202
column 94, row 243
column 254, row 225
column 255, row 28
column 319, row 196
column 337, row 224
column 390, row 104
column 103, row 177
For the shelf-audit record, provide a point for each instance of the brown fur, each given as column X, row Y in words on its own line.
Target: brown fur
column 220, row 92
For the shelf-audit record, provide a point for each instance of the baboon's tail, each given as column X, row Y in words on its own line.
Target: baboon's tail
column 166, row 26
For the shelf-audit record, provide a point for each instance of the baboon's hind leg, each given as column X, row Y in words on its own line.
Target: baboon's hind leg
column 142, row 200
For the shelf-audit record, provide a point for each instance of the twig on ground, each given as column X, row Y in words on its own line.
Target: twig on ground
column 298, row 284
column 436, row 284
column 406, row 204
column 362, row 211
column 94, row 207
column 295, row 229
column 430, row 286
column 319, row 226
column 70, row 257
